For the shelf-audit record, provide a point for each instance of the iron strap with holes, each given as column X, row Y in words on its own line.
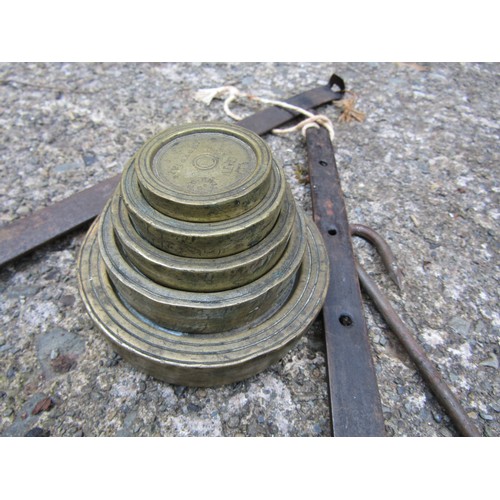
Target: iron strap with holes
column 356, row 409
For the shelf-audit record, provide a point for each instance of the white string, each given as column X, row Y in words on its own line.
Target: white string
column 207, row 95
column 311, row 120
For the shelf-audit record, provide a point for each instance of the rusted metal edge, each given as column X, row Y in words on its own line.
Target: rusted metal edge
column 356, row 408
column 25, row 235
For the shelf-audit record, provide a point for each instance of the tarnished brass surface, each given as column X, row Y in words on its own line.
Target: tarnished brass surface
column 208, row 359
column 204, row 171
column 196, row 312
column 203, row 240
column 203, row 303
column 202, row 275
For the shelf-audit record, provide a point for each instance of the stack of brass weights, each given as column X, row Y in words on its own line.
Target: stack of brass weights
column 201, row 270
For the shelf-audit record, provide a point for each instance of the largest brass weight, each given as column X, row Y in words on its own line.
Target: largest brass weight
column 201, row 270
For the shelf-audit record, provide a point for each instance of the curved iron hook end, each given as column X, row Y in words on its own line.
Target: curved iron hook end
column 383, row 249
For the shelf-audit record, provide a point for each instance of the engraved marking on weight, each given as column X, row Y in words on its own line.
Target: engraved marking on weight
column 205, row 161
column 228, row 160
column 203, row 185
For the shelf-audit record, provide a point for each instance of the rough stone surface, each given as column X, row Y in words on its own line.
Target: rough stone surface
column 422, row 170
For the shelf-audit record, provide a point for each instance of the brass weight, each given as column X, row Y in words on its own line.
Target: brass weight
column 203, row 296
column 201, row 173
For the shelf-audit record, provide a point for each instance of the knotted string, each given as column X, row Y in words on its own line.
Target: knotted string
column 232, row 93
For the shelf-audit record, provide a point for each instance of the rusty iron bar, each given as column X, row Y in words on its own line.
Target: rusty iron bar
column 417, row 354
column 355, row 405
column 28, row 233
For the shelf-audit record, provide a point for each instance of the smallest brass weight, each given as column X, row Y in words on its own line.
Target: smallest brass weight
column 202, row 270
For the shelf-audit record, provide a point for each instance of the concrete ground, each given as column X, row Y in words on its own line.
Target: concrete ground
column 422, row 170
